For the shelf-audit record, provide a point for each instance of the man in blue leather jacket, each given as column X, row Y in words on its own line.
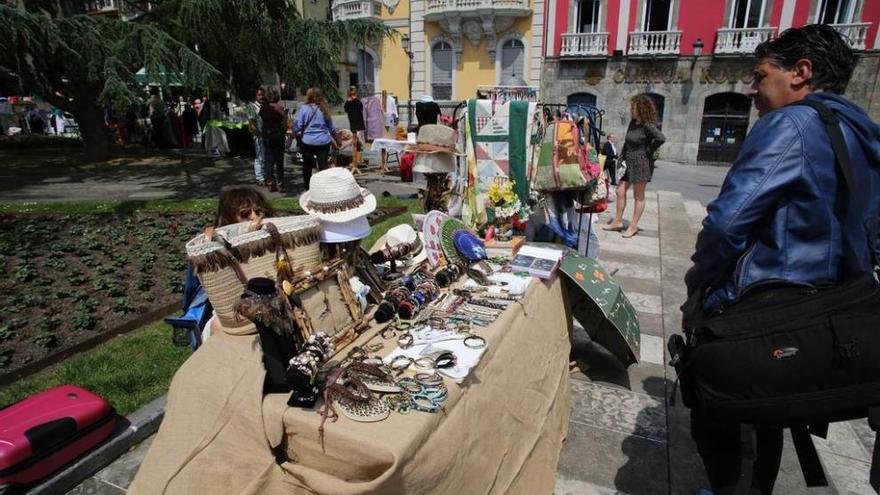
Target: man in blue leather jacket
column 784, row 214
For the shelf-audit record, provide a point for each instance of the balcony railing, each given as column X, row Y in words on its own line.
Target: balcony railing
column 654, row 43
column 854, row 33
column 584, row 44
column 465, row 6
column 356, row 9
column 742, row 40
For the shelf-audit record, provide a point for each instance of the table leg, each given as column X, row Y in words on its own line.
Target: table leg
column 383, row 167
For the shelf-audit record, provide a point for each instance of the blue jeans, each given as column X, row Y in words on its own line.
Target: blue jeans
column 259, row 159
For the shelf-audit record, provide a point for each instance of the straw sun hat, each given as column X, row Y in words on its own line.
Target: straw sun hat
column 234, row 253
column 403, row 234
column 335, row 196
column 435, row 150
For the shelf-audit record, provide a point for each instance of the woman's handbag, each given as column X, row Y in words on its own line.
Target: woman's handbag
column 621, row 169
column 791, row 355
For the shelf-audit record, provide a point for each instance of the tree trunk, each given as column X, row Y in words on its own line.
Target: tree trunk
column 94, row 133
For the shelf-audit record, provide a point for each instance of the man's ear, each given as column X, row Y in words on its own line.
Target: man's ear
column 803, row 72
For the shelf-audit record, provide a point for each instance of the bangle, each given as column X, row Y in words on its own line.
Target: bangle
column 375, row 361
column 387, row 332
column 356, row 353
column 400, row 363
column 429, row 379
column 405, row 341
column 445, row 360
column 410, row 386
column 424, row 363
column 424, row 403
column 474, row 342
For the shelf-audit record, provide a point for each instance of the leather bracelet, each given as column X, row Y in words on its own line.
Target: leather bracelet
column 406, row 340
column 425, row 363
column 474, row 342
column 429, row 379
column 400, row 363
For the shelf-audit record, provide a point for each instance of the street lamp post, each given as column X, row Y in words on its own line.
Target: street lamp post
column 405, row 43
column 698, row 50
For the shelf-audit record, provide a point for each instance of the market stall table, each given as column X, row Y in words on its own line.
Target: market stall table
column 501, row 430
column 384, row 146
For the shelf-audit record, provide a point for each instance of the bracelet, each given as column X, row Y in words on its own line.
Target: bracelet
column 429, row 379
column 436, row 394
column 410, row 386
column 424, row 403
column 387, row 332
column 400, row 363
column 375, row 361
column 425, row 363
column 474, row 342
column 406, row 340
column 445, row 360
column 356, row 353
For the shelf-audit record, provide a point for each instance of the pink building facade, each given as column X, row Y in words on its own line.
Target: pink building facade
column 693, row 57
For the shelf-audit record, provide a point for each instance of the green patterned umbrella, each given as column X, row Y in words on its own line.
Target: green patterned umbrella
column 601, row 307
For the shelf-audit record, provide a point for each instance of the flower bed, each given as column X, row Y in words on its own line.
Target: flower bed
column 69, row 278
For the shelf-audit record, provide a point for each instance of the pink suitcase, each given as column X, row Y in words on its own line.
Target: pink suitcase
column 42, row 433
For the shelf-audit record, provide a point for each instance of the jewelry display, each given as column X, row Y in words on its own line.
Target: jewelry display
column 474, row 342
column 405, row 341
column 400, row 363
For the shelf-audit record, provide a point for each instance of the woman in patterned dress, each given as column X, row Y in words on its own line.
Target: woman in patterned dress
column 643, row 138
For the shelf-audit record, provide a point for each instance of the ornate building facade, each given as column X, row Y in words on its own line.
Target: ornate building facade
column 693, row 57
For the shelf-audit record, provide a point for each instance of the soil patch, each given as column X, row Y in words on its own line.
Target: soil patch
column 69, row 279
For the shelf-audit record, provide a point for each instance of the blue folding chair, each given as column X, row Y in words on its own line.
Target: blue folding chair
column 197, row 311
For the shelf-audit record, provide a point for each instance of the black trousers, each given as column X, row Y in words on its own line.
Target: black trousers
column 720, row 447
column 273, row 159
column 313, row 155
column 611, row 168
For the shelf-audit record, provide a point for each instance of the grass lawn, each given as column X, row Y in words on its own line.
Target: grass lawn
column 129, row 371
column 134, row 369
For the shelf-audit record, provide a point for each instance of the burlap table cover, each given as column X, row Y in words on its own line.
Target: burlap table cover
column 501, row 432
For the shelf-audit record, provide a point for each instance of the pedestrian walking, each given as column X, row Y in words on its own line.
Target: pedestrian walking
column 642, row 140
column 274, row 130
column 158, row 115
column 255, row 124
column 609, row 149
column 355, row 111
column 785, row 220
column 315, row 132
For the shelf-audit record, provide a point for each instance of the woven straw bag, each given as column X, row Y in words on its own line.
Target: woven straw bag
column 233, row 255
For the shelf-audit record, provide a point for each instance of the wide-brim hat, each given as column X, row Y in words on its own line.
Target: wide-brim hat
column 336, row 232
column 235, row 247
column 435, row 138
column 448, row 229
column 335, row 196
column 431, row 232
column 402, row 234
column 434, row 163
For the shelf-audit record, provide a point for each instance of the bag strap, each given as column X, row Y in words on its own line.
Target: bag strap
column 841, row 153
column 874, row 423
column 808, row 458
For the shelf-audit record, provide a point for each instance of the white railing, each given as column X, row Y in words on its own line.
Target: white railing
column 356, row 9
column 854, row 33
column 654, row 43
column 580, row 44
column 437, row 6
column 742, row 40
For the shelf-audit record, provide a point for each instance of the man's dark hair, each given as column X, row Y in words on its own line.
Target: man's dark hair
column 833, row 59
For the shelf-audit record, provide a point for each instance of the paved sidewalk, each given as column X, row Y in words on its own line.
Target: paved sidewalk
column 625, row 435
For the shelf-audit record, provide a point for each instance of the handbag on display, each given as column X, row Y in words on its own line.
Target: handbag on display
column 596, row 199
column 791, row 355
column 563, row 163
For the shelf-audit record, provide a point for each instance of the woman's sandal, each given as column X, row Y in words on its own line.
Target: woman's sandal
column 628, row 235
column 609, row 228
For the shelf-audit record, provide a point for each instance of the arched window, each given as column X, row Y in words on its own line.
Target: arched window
column 659, row 103
column 366, row 72
column 513, row 63
column 725, row 123
column 441, row 70
column 580, row 99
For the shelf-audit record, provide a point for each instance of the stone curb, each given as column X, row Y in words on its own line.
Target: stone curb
column 130, row 431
